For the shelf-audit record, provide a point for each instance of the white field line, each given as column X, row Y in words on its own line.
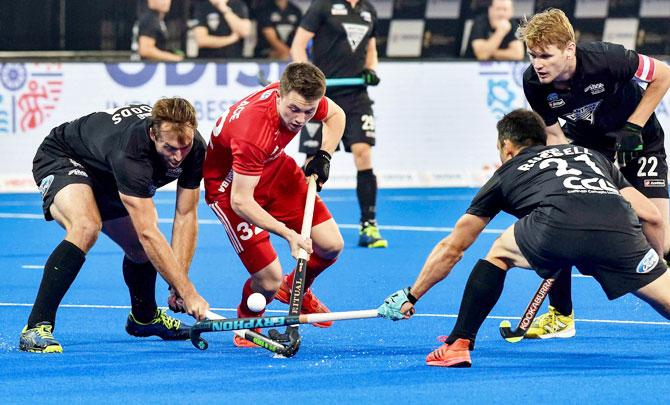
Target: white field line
column 92, row 306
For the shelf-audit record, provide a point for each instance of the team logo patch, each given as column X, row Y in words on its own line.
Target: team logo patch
column 339, row 9
column 29, row 93
column 213, row 21
column 45, row 184
column 554, row 101
column 585, row 113
column 595, row 88
column 176, row 172
column 355, row 34
column 648, row 262
column 654, row 183
column 77, row 172
column 366, row 16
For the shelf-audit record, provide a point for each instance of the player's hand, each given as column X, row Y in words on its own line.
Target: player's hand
column 175, row 302
column 628, row 143
column 503, row 25
column 196, row 306
column 296, row 242
column 370, row 77
column 397, row 306
column 319, row 165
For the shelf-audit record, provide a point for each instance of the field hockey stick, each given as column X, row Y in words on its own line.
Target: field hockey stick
column 514, row 336
column 334, row 82
column 298, row 288
column 246, row 334
column 235, row 324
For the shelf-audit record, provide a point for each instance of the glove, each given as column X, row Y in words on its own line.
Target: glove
column 370, row 77
column 321, row 166
column 175, row 302
column 390, row 309
column 628, row 143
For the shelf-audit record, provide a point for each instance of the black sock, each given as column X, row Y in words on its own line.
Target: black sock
column 366, row 190
column 482, row 292
column 60, row 270
column 560, row 295
column 141, row 281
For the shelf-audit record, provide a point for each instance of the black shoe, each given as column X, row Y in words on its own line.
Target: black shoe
column 163, row 326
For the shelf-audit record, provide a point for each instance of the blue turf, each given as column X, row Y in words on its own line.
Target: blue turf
column 363, row 361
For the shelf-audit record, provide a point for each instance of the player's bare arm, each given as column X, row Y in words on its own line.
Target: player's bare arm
column 514, row 51
column 239, row 26
column 485, row 48
column 656, row 89
column 333, row 127
column 279, row 49
column 147, row 49
column 555, row 135
column 243, row 203
column 299, row 45
column 185, row 226
column 652, row 221
column 371, row 56
column 205, row 40
column 143, row 214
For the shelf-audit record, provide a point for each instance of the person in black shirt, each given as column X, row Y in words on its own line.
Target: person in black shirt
column 100, row 172
column 594, row 88
column 277, row 23
column 344, row 45
column 150, row 33
column 492, row 36
column 571, row 201
column 221, row 28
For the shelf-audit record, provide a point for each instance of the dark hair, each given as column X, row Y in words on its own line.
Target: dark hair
column 176, row 111
column 305, row 79
column 523, row 128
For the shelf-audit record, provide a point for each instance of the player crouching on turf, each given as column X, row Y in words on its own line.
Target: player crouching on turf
column 100, row 172
column 254, row 188
column 571, row 202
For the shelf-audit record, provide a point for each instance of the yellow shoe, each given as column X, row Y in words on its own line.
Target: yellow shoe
column 552, row 324
column 39, row 339
column 369, row 236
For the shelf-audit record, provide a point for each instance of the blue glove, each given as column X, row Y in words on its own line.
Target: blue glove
column 390, row 309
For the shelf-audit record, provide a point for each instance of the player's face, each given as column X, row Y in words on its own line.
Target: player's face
column 295, row 111
column 162, row 6
column 168, row 145
column 500, row 10
column 551, row 63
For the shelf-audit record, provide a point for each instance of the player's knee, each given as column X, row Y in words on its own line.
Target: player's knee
column 330, row 248
column 269, row 283
column 85, row 230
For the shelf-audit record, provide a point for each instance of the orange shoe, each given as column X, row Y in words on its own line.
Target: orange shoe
column 310, row 304
column 456, row 354
column 241, row 342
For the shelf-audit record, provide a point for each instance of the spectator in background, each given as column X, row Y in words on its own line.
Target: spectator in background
column 221, row 27
column 277, row 22
column 492, row 36
column 150, row 33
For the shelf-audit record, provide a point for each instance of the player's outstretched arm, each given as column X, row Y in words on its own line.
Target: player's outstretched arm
column 658, row 86
column 652, row 221
column 145, row 220
column 299, row 45
column 438, row 265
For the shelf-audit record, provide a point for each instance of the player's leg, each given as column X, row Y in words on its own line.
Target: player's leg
column 366, row 191
column 657, row 294
column 663, row 205
column 481, row 293
column 145, row 318
column 70, row 201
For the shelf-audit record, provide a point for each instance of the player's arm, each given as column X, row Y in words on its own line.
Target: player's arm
column 333, row 127
column 438, row 265
column 299, row 45
column 658, row 86
column 185, row 226
column 243, row 203
column 279, row 49
column 371, row 56
column 205, row 40
column 238, row 25
column 144, row 217
column 147, row 49
column 514, row 51
column 555, row 135
column 484, row 48
column 652, row 221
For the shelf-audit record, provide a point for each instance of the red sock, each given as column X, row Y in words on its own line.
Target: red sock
column 243, row 310
column 315, row 266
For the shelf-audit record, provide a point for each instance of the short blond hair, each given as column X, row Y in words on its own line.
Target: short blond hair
column 550, row 27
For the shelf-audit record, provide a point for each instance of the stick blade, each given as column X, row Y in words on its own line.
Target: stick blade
column 508, row 334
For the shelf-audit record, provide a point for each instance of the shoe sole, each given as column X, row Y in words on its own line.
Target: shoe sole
column 376, row 245
column 455, row 363
column 564, row 334
column 48, row 349
column 245, row 344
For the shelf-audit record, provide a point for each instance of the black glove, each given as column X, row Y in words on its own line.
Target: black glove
column 175, row 302
column 321, row 166
column 370, row 77
column 628, row 143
